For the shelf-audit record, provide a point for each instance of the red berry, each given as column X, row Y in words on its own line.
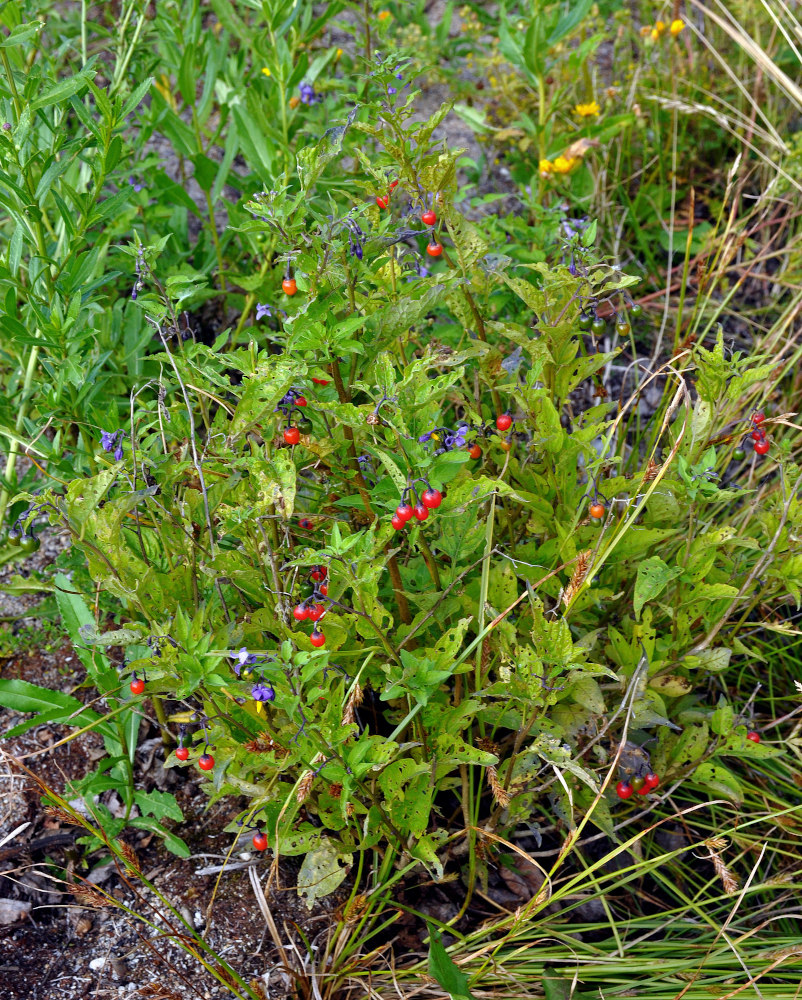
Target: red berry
column 305, row 523
column 434, row 249
column 753, row 736
column 758, row 435
column 315, row 613
column 623, row 789
column 137, row 685
column 318, row 574
column 652, row 781
column 504, row 422
column 431, row 499
column 292, row 435
column 320, row 381
column 393, row 185
column 420, row 512
column 643, row 790
column 382, row 202
column 289, row 286
column 397, row 522
column 758, row 417
column 475, row 452
column 182, row 753
column 404, row 511
column 428, row 218
column 300, row 401
column 300, row 613
column 597, row 511
column 323, row 589
column 317, row 638
column 205, row 762
column 260, row 841
column 762, row 447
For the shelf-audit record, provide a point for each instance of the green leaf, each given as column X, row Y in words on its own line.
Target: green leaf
column 714, row 780
column 21, row 696
column 323, row 869
column 653, row 576
column 443, row 970
column 158, row 804
column 75, row 615
column 22, row 33
column 173, row 843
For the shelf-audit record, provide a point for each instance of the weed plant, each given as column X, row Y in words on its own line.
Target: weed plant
column 418, row 532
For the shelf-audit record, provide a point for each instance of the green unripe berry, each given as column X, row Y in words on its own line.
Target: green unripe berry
column 30, row 543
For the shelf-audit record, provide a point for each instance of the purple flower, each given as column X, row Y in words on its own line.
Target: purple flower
column 425, row 437
column 308, row 94
column 135, row 184
column 108, row 439
column 118, row 452
column 457, row 439
column 244, row 659
column 261, row 693
column 262, row 310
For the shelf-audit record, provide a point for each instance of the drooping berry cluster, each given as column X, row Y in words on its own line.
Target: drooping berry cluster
column 760, row 441
column 311, row 609
column 429, row 499
column 205, row 760
column 292, row 405
column 641, row 784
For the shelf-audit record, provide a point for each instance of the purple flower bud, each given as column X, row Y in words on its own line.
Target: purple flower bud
column 108, row 439
column 118, row 452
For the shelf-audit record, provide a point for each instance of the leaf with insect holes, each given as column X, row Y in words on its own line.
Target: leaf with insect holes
column 425, row 850
column 716, row 780
column 323, row 869
column 653, row 577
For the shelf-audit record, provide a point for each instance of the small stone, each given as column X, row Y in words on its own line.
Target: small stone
column 13, row 910
column 96, row 964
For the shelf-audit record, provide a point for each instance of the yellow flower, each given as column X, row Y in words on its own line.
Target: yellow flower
column 676, row 27
column 589, row 110
column 564, row 163
column 337, row 54
column 659, row 27
column 655, row 34
column 295, row 100
column 383, row 15
column 545, row 167
column 266, row 71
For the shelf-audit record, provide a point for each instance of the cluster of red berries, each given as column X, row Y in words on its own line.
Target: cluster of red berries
column 310, row 609
column 641, row 783
column 205, row 761
column 384, row 200
column 429, row 499
column 292, row 433
column 760, row 440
